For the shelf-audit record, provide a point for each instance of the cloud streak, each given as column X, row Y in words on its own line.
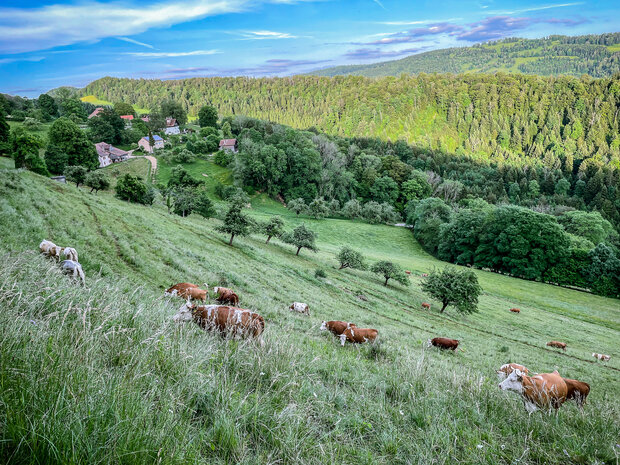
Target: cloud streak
column 30, row 29
column 132, row 41
column 266, row 35
column 173, row 54
column 378, row 54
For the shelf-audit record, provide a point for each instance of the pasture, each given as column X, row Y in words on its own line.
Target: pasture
column 103, row 375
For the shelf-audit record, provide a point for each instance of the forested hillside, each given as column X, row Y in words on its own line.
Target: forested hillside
column 596, row 55
column 558, row 122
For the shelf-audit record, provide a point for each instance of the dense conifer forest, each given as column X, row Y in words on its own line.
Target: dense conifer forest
column 595, row 55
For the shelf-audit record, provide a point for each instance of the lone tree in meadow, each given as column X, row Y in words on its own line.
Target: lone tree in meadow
column 455, row 287
column 235, row 222
column 301, row 237
column 97, row 181
column 318, row 208
column 350, row 258
column 297, row 205
column 76, row 174
column 389, row 271
column 273, row 227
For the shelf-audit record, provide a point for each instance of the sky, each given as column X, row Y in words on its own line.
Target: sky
column 46, row 44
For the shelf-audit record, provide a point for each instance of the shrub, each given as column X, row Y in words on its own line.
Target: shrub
column 76, row 174
column 223, row 158
column 349, row 258
column 133, row 189
column 320, row 273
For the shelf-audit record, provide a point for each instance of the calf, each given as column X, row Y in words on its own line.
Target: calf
column 336, row 327
column 300, row 308
column 225, row 295
column 508, row 368
column 443, row 343
column 557, row 345
column 73, row 268
column 426, row 306
column 228, row 320
column 577, row 390
column 541, row 391
column 604, row 358
column 358, row 335
column 515, row 310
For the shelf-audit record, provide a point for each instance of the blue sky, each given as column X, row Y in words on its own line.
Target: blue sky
column 45, row 44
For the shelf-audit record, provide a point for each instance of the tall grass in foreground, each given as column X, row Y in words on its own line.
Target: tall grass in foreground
column 102, row 375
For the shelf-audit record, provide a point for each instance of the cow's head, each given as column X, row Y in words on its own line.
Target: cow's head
column 429, row 343
column 513, row 382
column 216, row 289
column 323, row 326
column 184, row 313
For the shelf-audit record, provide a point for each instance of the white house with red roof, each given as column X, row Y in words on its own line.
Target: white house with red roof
column 229, row 144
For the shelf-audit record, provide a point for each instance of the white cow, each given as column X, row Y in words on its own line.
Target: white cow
column 300, row 308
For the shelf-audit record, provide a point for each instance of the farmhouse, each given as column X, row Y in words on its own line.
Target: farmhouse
column 229, row 144
column 95, row 112
column 109, row 154
column 172, row 127
column 158, row 143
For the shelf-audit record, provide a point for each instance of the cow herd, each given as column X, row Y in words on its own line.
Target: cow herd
column 70, row 265
column 543, row 390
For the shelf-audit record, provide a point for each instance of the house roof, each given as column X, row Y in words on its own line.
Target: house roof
column 128, row 117
column 228, row 142
column 95, row 112
column 156, row 138
column 106, row 150
column 171, row 122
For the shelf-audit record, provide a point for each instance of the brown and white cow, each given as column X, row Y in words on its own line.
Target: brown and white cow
column 358, row 335
column 515, row 310
column 426, row 306
column 577, row 390
column 443, row 343
column 508, row 368
column 604, row 358
column 300, row 307
column 49, row 249
column 187, row 290
column 225, row 295
column 226, row 319
column 557, row 345
column 542, row 391
column 336, row 327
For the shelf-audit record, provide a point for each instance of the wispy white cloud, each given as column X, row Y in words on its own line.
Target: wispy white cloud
column 378, row 2
column 172, row 54
column 262, row 35
column 414, row 22
column 29, row 29
column 534, row 8
column 127, row 39
column 4, row 61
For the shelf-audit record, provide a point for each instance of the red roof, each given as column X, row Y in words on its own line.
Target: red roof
column 127, row 117
column 171, row 122
column 95, row 112
column 228, row 142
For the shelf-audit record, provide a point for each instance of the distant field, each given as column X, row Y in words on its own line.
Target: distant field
column 614, row 48
column 94, row 100
column 105, row 375
column 198, row 169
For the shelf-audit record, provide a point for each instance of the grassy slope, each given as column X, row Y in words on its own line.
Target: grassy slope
column 302, row 398
column 97, row 101
column 140, row 167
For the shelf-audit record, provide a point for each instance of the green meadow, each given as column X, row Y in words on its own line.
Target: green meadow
column 100, row 374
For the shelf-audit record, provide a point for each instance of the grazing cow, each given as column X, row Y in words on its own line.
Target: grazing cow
column 557, row 345
column 426, row 306
column 577, row 390
column 358, row 335
column 604, row 358
column 540, row 391
column 336, row 327
column 425, row 275
column 73, row 268
column 300, row 308
column 70, row 253
column 407, row 272
column 515, row 310
column 228, row 320
column 508, row 368
column 46, row 247
column 443, row 343
column 225, row 295
column 185, row 290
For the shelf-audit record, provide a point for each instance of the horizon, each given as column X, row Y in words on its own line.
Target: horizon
column 45, row 45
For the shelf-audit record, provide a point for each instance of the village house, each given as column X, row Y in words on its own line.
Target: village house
column 229, row 144
column 95, row 112
column 127, row 119
column 172, row 127
column 158, row 143
column 109, row 154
